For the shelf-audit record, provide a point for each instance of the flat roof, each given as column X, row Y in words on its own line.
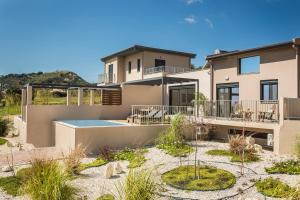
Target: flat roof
column 160, row 81
column 139, row 48
column 69, row 86
column 230, row 53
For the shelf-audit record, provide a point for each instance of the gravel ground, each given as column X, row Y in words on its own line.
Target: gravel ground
column 93, row 183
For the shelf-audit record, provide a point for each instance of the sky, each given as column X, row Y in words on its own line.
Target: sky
column 50, row 35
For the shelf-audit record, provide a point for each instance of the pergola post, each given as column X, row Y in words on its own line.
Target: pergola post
column 80, row 96
column 23, row 97
column 68, row 97
column 197, row 100
column 29, row 95
column 92, row 97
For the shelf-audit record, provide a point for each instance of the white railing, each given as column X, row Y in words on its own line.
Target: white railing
column 166, row 69
column 245, row 110
column 158, row 114
column 106, row 78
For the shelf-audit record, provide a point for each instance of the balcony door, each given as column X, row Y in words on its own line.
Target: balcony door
column 227, row 97
column 181, row 95
column 110, row 73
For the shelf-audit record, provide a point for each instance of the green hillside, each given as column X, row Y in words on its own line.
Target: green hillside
column 16, row 81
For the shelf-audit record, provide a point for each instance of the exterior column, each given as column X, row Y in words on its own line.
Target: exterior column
column 197, row 100
column 68, row 97
column 92, row 97
column 29, row 95
column 23, row 97
column 80, row 96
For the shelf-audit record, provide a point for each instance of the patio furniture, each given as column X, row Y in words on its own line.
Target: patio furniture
column 268, row 115
column 160, row 115
column 238, row 112
column 142, row 118
column 248, row 115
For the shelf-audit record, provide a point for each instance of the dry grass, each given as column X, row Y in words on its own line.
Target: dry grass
column 73, row 161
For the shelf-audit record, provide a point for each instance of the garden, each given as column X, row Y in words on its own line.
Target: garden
column 173, row 168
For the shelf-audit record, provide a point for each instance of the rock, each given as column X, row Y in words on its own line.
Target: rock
column 119, row 169
column 109, row 171
column 7, row 168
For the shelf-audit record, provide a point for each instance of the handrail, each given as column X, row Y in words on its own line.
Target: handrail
column 166, row 69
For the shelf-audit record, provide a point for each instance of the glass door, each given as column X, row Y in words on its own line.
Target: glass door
column 227, row 97
column 110, row 73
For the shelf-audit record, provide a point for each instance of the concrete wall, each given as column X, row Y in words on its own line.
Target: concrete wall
column 114, row 137
column 134, row 75
column 39, row 129
column 279, row 63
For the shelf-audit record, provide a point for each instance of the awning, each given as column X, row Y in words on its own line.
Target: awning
column 160, row 80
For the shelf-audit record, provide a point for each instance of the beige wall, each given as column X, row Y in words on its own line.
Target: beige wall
column 114, row 137
column 39, row 130
column 277, row 63
column 134, row 75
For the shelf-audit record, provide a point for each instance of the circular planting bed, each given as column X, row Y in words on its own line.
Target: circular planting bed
column 211, row 178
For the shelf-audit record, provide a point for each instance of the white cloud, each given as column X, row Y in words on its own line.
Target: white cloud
column 189, row 2
column 209, row 23
column 190, row 19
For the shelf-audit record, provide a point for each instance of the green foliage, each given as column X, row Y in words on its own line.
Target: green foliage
column 2, row 141
column 47, row 181
column 249, row 157
column 138, row 185
column 298, row 147
column 96, row 163
column 11, row 185
column 5, row 126
column 106, row 197
column 172, row 140
column 135, row 157
column 10, row 110
column 211, row 178
column 286, row 167
column 274, row 188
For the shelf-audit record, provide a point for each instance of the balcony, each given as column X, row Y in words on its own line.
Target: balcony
column 106, row 78
column 244, row 110
column 165, row 69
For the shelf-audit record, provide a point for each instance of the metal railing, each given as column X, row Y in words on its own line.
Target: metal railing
column 106, row 78
column 158, row 114
column 166, row 69
column 244, row 110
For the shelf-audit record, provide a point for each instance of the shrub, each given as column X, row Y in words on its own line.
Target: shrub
column 287, row 167
column 138, row 185
column 248, row 157
column 106, row 153
column 135, row 157
column 73, row 160
column 172, row 140
column 274, row 188
column 47, row 181
column 237, row 144
column 298, row 147
column 2, row 141
column 96, row 163
column 11, row 185
column 5, row 127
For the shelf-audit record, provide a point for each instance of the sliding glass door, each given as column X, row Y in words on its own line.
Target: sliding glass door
column 227, row 97
column 181, row 95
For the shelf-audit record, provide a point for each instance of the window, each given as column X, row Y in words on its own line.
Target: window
column 249, row 65
column 129, row 67
column 138, row 65
column 160, row 63
column 182, row 95
column 269, row 90
column 110, row 73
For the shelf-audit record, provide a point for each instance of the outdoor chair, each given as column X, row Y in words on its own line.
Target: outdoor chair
column 238, row 112
column 267, row 115
column 143, row 118
column 159, row 116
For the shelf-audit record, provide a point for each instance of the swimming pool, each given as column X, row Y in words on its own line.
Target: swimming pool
column 92, row 123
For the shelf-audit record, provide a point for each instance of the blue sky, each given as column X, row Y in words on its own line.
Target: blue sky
column 48, row 35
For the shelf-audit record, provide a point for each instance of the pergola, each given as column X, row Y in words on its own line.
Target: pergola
column 28, row 88
column 163, row 81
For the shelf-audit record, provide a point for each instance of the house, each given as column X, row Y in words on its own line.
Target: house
column 261, row 86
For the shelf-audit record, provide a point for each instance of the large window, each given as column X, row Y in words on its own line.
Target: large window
column 129, row 67
column 159, row 63
column 182, row 95
column 269, row 90
column 138, row 65
column 110, row 73
column 249, row 65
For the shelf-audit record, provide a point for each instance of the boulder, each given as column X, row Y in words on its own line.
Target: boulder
column 109, row 171
column 7, row 168
column 119, row 169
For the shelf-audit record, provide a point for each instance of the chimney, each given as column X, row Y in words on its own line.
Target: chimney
column 219, row 51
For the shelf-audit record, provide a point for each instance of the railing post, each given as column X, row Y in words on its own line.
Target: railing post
column 256, row 111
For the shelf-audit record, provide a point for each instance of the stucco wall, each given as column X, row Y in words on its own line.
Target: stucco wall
column 39, row 117
column 277, row 63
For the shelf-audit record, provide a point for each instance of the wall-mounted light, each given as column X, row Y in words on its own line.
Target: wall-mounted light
column 226, row 78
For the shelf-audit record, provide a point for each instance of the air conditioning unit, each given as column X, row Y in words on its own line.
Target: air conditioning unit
column 270, row 139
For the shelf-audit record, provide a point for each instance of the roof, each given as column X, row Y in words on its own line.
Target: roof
column 139, row 48
column 70, row 86
column 160, row 81
column 230, row 53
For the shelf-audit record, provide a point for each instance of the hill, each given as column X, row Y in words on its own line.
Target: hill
column 17, row 81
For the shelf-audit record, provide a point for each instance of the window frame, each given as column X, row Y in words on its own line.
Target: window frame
column 129, row 67
column 268, row 82
column 240, row 65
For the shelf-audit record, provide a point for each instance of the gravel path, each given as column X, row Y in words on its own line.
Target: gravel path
column 93, row 183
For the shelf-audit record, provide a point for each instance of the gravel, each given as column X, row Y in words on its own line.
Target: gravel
column 92, row 182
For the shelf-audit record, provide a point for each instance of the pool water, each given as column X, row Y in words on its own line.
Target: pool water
column 92, row 123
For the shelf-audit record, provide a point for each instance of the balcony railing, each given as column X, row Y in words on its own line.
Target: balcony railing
column 106, row 78
column 166, row 69
column 158, row 114
column 244, row 110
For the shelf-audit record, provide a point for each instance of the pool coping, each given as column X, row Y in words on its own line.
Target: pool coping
column 73, row 126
